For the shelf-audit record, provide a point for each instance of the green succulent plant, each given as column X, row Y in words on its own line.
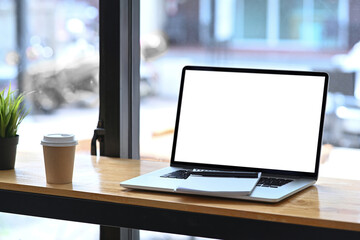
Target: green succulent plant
column 12, row 112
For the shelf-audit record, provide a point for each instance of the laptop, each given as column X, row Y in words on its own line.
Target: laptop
column 246, row 120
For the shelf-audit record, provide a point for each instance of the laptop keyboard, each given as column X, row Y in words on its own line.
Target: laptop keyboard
column 271, row 182
column 180, row 174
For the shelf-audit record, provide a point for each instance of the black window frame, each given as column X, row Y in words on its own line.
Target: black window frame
column 119, row 94
column 119, row 90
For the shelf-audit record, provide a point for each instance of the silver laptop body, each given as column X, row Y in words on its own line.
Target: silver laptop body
column 232, row 119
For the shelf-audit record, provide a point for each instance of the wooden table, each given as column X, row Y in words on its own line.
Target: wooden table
column 329, row 209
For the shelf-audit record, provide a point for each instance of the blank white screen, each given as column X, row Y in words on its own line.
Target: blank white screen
column 268, row 121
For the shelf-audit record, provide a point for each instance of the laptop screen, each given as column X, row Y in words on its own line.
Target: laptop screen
column 250, row 119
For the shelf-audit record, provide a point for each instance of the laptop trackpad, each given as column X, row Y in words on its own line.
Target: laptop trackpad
column 218, row 186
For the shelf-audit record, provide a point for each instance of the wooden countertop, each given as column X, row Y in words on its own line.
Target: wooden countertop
column 331, row 203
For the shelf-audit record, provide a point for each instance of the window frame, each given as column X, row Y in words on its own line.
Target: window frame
column 119, row 94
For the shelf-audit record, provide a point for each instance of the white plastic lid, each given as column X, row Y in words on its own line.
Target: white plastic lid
column 59, row 140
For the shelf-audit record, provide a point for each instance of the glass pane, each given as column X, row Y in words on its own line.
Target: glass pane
column 61, row 69
column 8, row 56
column 54, row 44
column 255, row 16
column 326, row 22
column 291, row 19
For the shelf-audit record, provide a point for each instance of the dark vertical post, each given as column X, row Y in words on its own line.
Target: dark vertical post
column 21, row 40
column 109, row 109
column 212, row 21
column 129, row 78
column 118, row 126
column 109, row 233
column 119, row 79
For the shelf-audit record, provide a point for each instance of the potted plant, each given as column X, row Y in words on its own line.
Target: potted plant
column 12, row 112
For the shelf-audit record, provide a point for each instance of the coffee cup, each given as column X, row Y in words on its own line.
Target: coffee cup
column 59, row 154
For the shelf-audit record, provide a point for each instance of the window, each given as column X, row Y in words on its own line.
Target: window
column 284, row 34
column 314, row 24
column 254, row 14
column 49, row 49
column 51, row 53
column 291, row 19
column 7, row 45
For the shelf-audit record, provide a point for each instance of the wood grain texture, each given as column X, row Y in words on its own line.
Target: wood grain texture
column 331, row 203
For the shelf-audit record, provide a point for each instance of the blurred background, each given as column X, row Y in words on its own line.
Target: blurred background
column 50, row 50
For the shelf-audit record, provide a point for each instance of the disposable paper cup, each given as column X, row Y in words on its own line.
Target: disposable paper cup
column 59, row 154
